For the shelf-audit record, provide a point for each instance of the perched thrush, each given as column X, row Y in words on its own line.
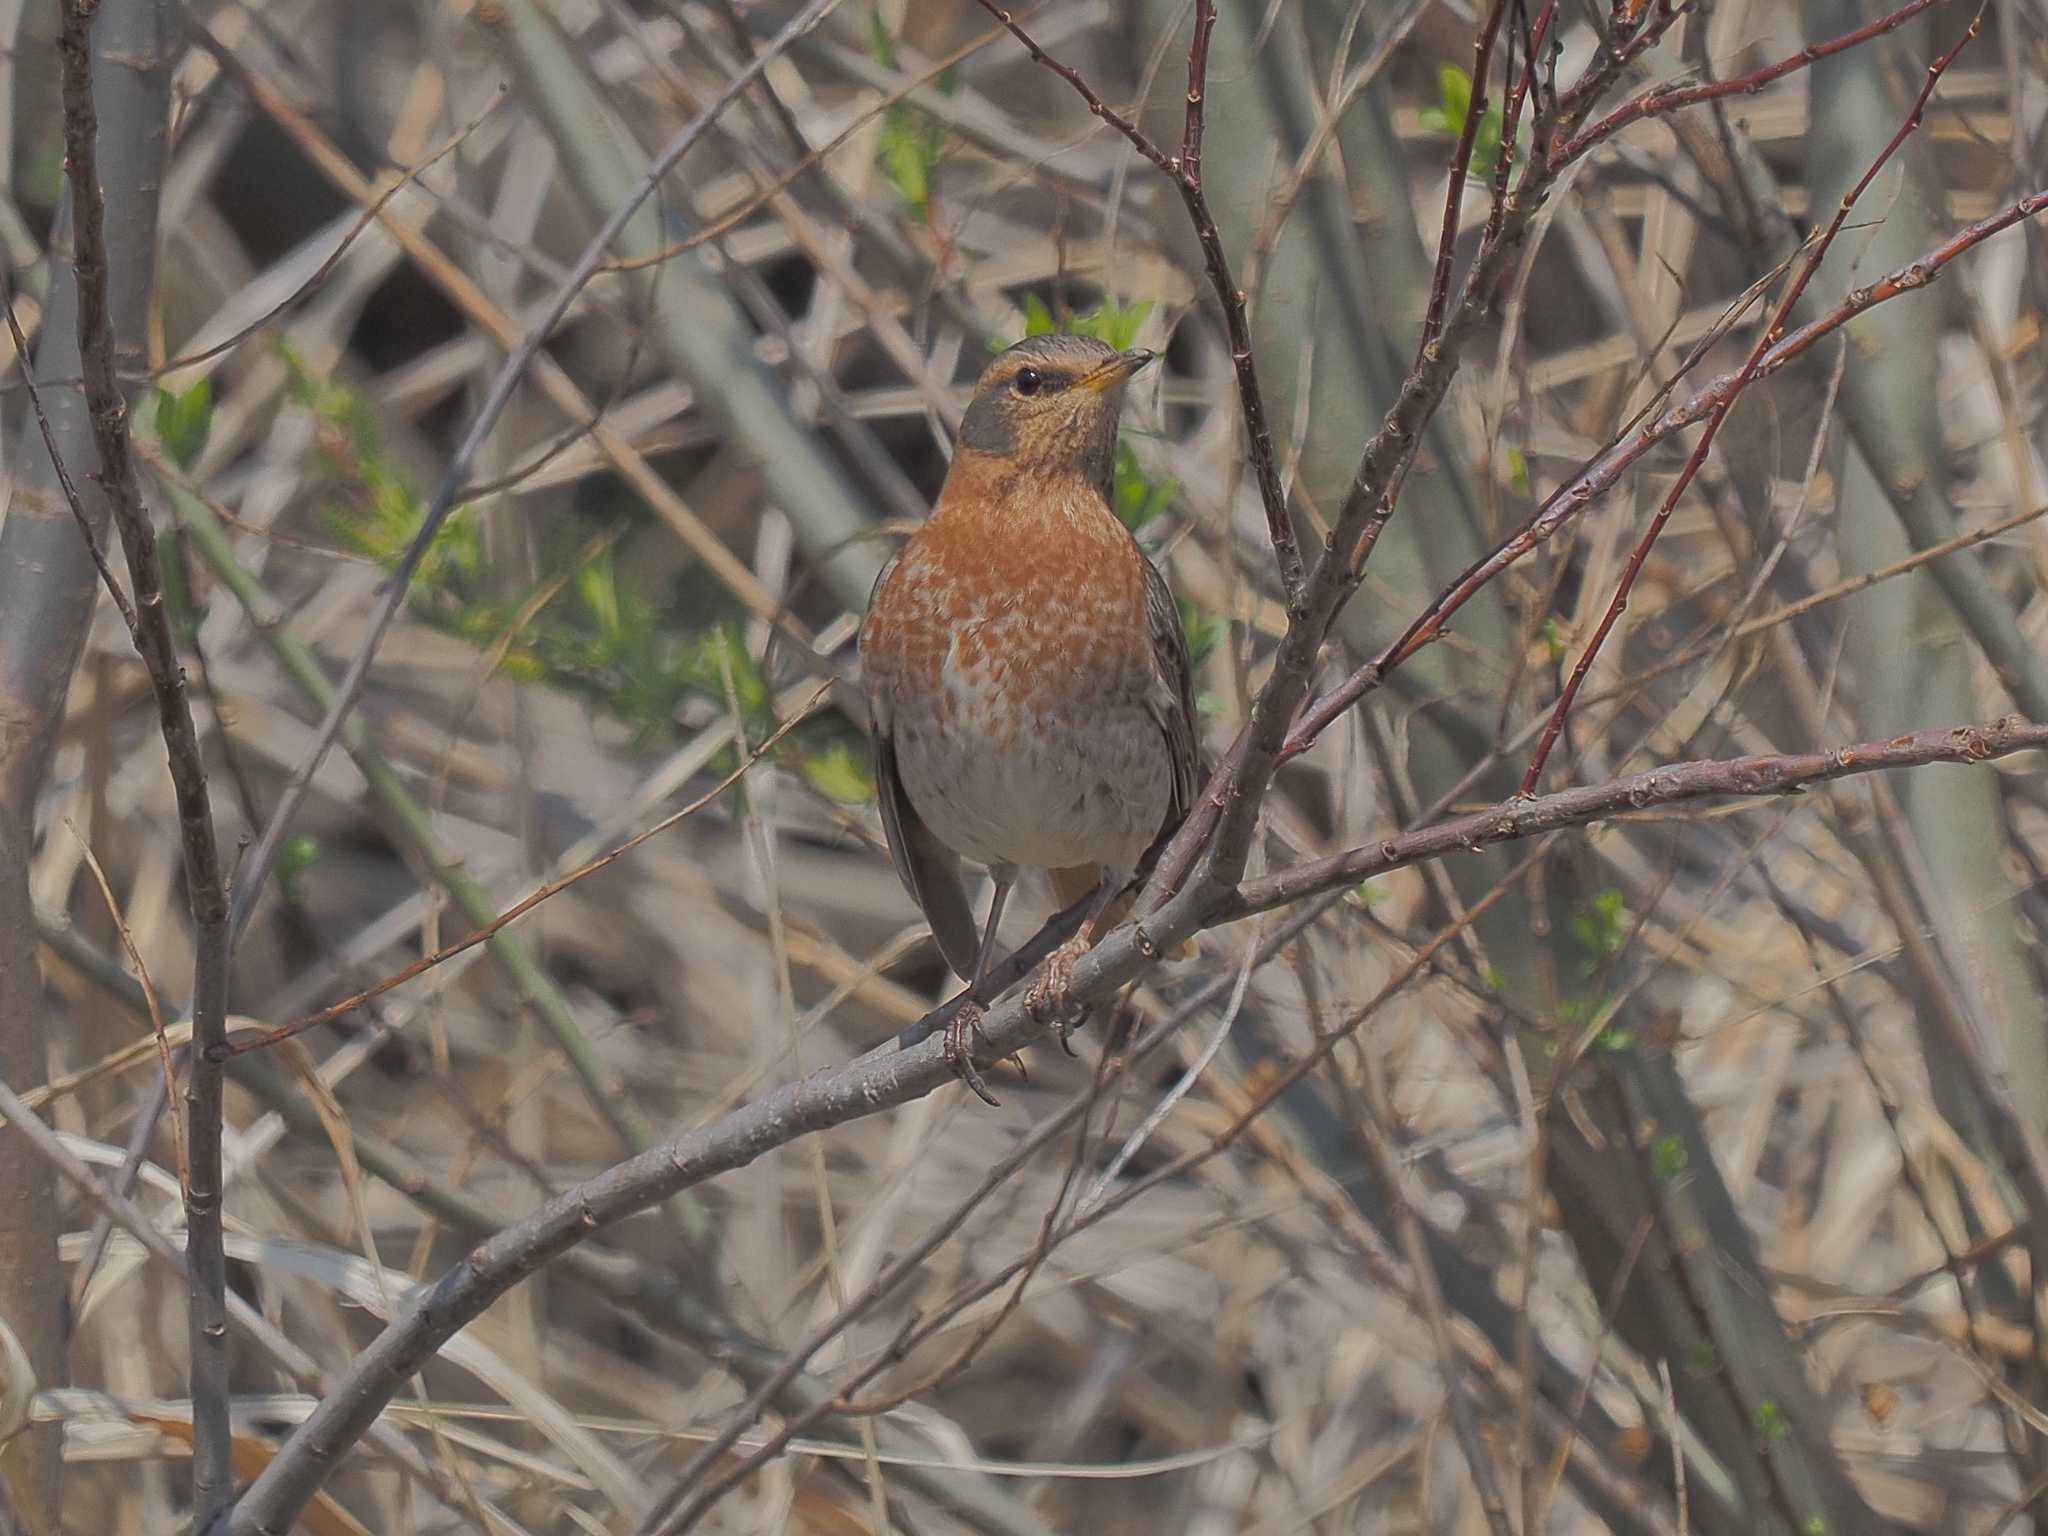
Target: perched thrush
column 1026, row 670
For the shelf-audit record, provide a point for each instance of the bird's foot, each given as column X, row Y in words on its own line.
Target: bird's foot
column 1050, row 1000
column 959, row 1055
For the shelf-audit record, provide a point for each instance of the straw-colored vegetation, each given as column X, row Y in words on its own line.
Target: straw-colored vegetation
column 1674, row 1168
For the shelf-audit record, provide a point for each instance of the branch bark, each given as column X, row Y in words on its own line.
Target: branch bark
column 205, row 882
column 47, row 597
column 887, row 1077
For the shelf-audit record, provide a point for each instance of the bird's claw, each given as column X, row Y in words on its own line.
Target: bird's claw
column 1050, row 1000
column 959, row 1057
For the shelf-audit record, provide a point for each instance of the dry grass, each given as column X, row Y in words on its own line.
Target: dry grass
column 1243, row 1348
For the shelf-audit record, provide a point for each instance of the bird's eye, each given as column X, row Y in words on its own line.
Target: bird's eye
column 1028, row 381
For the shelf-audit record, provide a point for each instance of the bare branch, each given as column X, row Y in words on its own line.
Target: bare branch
column 1667, row 99
column 1817, row 250
column 1599, row 474
column 885, row 1078
column 1185, row 172
column 206, row 891
column 1674, row 784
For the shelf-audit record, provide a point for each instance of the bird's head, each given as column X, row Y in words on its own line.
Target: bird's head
column 1050, row 405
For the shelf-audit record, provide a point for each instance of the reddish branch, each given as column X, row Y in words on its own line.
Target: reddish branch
column 1671, row 98
column 1599, row 474
column 1511, row 116
column 433, row 1313
column 1185, row 172
column 1461, row 163
column 1816, row 253
column 1653, row 789
column 1368, row 505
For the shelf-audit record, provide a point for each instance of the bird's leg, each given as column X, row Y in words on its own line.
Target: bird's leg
column 973, row 1008
column 1047, row 999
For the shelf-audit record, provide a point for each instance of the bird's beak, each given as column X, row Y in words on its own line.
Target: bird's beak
column 1115, row 371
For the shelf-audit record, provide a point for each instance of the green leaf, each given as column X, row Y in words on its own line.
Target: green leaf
column 1770, row 1420
column 1038, row 319
column 881, row 46
column 1454, row 103
column 183, row 421
column 1614, row 1040
column 1667, row 1158
column 1135, row 496
column 597, row 585
column 1454, row 90
column 522, row 666
column 1518, row 471
column 1600, row 929
column 1114, row 325
column 839, row 774
column 1486, row 141
column 299, row 854
column 721, row 651
column 904, row 164
column 910, row 142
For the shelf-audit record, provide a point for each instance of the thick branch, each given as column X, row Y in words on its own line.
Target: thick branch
column 889, row 1077
column 1676, row 784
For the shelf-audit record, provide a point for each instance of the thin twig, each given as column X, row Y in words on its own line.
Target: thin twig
column 212, row 1473
column 1390, row 1170
column 263, row 1038
column 257, row 866
column 887, row 1077
column 1817, row 250
column 1600, row 473
column 1666, row 99
column 1461, row 164
column 1186, row 175
column 156, row 1013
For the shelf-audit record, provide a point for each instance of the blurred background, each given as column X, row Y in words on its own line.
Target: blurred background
column 1663, row 1170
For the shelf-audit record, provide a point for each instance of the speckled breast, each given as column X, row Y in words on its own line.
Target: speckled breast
column 1016, row 680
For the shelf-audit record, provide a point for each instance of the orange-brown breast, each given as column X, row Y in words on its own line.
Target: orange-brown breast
column 1010, row 652
column 1028, row 586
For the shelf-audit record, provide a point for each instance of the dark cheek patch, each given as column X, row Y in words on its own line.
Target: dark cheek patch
column 987, row 428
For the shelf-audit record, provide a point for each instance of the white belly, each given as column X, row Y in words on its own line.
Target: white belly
column 1098, row 797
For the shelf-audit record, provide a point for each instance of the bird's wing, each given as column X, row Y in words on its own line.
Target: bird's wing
column 929, row 870
column 1172, row 699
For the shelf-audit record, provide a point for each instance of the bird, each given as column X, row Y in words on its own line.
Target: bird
column 1026, row 672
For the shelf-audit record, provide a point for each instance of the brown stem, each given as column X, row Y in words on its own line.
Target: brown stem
column 1816, row 253
column 1185, row 173
column 205, row 885
column 1674, row 784
column 1599, row 474
column 1667, row 99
